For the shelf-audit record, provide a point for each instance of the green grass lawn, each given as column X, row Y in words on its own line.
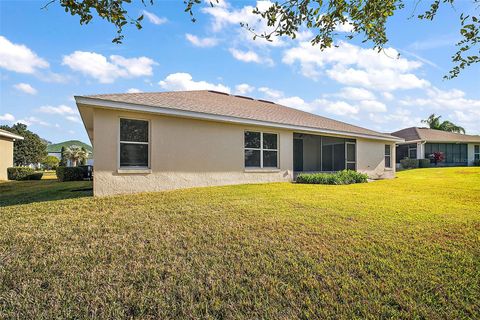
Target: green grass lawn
column 402, row 248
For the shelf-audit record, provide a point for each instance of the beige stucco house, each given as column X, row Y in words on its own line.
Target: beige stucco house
column 458, row 149
column 170, row 140
column 6, row 151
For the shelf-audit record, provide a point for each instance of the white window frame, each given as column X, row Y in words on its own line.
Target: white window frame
column 412, row 148
column 261, row 149
column 476, row 154
column 346, row 154
column 387, row 155
column 134, row 142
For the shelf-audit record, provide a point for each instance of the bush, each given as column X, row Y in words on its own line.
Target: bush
column 423, row 163
column 408, row 163
column 23, row 173
column 476, row 162
column 341, row 177
column 70, row 173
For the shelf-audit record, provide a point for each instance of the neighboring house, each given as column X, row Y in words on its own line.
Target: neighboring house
column 6, row 151
column 420, row 143
column 170, row 140
column 56, row 150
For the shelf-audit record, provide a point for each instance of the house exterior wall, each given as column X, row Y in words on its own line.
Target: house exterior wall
column 193, row 153
column 371, row 158
column 183, row 153
column 6, row 156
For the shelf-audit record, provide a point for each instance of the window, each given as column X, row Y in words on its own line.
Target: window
column 476, row 152
column 261, row 150
column 412, row 151
column 134, row 143
column 388, row 156
column 351, row 156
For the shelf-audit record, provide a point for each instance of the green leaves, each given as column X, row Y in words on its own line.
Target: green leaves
column 367, row 20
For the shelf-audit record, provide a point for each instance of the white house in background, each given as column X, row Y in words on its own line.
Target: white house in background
column 170, row 140
column 420, row 143
column 6, row 151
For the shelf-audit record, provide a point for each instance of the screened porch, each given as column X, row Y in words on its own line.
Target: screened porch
column 315, row 153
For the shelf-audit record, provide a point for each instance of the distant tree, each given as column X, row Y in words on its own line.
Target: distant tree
column 433, row 122
column 50, row 162
column 63, row 158
column 368, row 20
column 84, row 160
column 30, row 150
column 76, row 154
column 437, row 157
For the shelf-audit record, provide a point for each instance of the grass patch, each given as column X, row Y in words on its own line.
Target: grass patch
column 401, row 248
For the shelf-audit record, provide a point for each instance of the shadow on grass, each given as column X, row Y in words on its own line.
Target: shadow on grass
column 23, row 192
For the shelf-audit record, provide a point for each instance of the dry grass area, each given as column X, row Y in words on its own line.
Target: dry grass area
column 402, row 248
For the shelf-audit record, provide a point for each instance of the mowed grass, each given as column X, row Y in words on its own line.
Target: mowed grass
column 402, row 248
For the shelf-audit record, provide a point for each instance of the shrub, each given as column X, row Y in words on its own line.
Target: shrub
column 476, row 162
column 70, row 173
column 424, row 163
column 23, row 173
column 19, row 173
column 341, row 177
column 408, row 163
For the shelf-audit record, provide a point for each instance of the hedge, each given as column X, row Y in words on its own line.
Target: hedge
column 340, row 177
column 476, row 162
column 408, row 163
column 23, row 173
column 70, row 173
column 424, row 163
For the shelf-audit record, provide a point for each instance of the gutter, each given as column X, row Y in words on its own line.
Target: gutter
column 11, row 135
column 108, row 104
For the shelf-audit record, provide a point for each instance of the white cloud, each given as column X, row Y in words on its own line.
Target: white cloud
column 451, row 104
column 74, row 119
column 201, row 42
column 388, row 96
column 340, row 108
column 297, row 103
column 184, row 81
column 224, row 16
column 19, row 58
column 372, row 106
column 134, row 90
column 153, row 18
column 61, row 110
column 250, row 56
column 25, row 87
column 376, row 79
column 7, row 117
column 33, row 120
column 243, row 88
column 99, row 67
column 352, row 93
column 352, row 65
column 271, row 93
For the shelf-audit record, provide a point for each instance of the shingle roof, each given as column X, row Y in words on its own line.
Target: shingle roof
column 217, row 103
column 432, row 135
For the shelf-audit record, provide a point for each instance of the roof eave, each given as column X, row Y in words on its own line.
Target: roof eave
column 108, row 104
column 11, row 135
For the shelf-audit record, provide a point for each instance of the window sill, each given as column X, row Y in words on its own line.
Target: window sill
column 134, row 171
column 262, row 170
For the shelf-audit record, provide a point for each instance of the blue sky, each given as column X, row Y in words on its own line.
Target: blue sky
column 46, row 58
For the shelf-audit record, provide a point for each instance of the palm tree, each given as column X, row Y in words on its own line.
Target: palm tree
column 75, row 154
column 433, row 122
